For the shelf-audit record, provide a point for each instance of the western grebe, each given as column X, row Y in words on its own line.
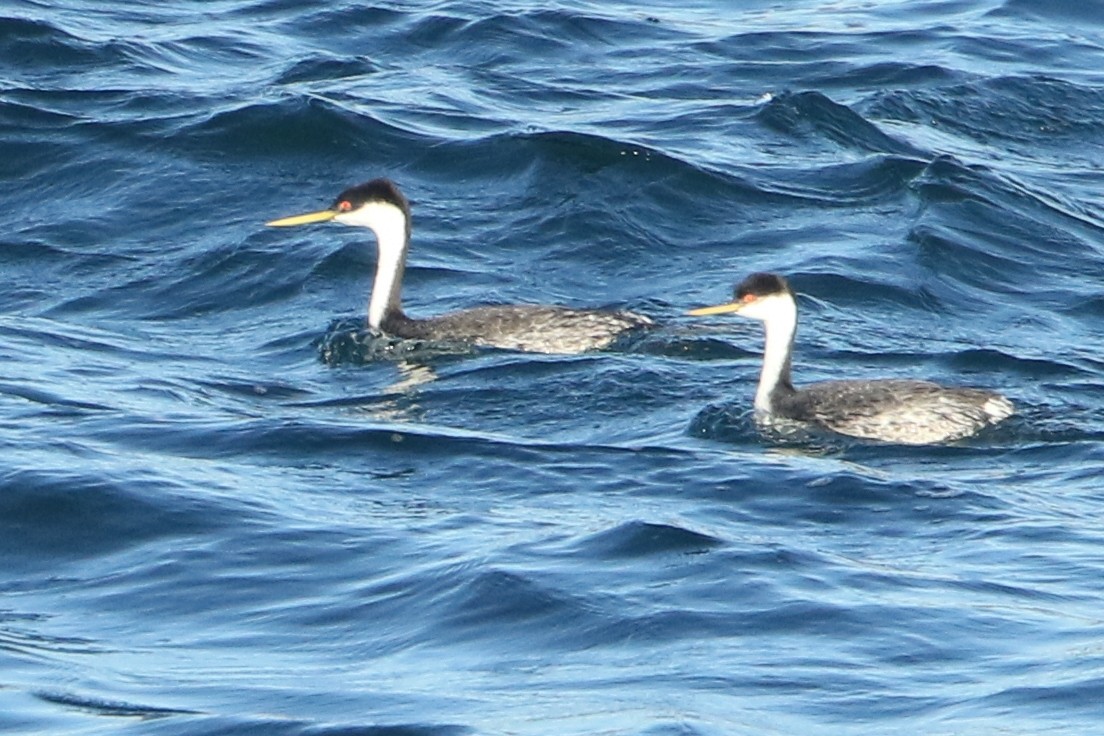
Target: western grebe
column 890, row 410
column 381, row 207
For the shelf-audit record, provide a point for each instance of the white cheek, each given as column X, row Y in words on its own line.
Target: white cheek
column 366, row 216
column 755, row 310
column 771, row 308
column 385, row 219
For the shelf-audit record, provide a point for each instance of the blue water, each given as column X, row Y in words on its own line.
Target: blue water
column 213, row 521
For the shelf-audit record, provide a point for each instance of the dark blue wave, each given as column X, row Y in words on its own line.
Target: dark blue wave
column 813, row 114
column 49, row 517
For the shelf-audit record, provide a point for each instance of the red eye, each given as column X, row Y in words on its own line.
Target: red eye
column 748, row 298
column 344, row 205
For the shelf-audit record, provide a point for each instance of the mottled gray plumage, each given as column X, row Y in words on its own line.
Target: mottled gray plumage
column 529, row 328
column 890, row 410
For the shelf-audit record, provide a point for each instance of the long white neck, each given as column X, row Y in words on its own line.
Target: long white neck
column 780, row 323
column 392, row 229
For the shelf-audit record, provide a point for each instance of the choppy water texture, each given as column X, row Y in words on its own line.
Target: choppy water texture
column 217, row 516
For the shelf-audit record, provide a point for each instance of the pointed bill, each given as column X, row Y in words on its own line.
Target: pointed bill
column 719, row 309
column 320, row 216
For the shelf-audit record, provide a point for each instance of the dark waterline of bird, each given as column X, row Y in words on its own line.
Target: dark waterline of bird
column 226, row 508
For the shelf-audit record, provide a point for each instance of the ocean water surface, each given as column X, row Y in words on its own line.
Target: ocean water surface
column 220, row 515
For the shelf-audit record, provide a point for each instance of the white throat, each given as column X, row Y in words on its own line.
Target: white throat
column 392, row 230
column 778, row 313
